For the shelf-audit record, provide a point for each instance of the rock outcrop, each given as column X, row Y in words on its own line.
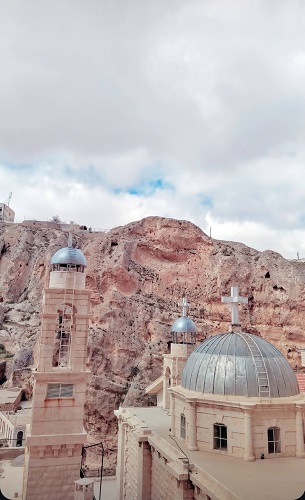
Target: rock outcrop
column 137, row 273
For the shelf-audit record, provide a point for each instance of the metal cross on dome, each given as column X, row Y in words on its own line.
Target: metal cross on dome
column 185, row 305
column 70, row 234
column 233, row 301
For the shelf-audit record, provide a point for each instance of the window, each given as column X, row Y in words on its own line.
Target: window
column 62, row 341
column 274, row 443
column 19, row 438
column 182, row 426
column 60, row 391
column 220, row 437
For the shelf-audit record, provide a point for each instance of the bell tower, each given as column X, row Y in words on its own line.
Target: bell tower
column 56, row 433
column 183, row 343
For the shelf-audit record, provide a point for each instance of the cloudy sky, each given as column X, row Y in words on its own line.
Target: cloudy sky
column 113, row 110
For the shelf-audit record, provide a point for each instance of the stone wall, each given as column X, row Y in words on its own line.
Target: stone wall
column 206, row 417
column 285, row 420
column 131, row 466
column 163, row 484
column 52, row 478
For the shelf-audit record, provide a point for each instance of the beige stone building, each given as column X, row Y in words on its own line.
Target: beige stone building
column 14, row 415
column 56, row 434
column 6, row 213
column 229, row 425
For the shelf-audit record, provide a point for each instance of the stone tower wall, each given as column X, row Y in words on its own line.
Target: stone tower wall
column 56, row 433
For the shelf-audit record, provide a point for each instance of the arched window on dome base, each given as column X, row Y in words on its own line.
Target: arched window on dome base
column 220, row 437
column 182, row 426
column 274, row 440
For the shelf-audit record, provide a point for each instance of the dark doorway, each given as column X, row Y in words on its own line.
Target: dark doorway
column 19, row 438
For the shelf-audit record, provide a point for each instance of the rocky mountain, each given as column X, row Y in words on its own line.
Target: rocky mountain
column 137, row 273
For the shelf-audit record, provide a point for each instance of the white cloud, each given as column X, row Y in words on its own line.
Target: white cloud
column 98, row 98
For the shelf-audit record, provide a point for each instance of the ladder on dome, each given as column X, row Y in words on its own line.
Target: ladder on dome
column 261, row 370
column 71, row 252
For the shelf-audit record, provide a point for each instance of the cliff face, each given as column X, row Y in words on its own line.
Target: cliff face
column 137, row 274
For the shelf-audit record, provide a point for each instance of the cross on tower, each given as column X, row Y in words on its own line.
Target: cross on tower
column 234, row 300
column 185, row 305
column 70, row 234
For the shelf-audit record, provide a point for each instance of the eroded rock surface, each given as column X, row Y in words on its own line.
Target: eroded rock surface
column 137, row 274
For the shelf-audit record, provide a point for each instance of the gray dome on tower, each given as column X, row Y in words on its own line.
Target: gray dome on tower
column 67, row 267
column 184, row 329
column 69, row 256
column 239, row 364
column 184, row 325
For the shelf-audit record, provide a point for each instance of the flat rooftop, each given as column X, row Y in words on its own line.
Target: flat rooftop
column 19, row 417
column 11, row 472
column 9, row 395
column 269, row 479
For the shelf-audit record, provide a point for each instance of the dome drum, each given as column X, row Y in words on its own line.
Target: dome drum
column 184, row 331
column 68, row 269
column 66, row 280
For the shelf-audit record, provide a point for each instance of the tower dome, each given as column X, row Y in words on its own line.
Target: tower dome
column 67, row 267
column 184, row 327
column 239, row 364
column 68, row 256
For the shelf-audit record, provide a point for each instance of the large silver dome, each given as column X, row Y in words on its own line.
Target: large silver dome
column 239, row 364
column 184, row 325
column 69, row 255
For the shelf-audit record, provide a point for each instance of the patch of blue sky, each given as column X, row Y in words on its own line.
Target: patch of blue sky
column 89, row 176
column 301, row 220
column 19, row 167
column 206, row 201
column 149, row 187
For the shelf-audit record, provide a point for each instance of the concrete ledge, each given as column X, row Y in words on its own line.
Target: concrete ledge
column 60, row 375
column 53, row 440
column 210, row 485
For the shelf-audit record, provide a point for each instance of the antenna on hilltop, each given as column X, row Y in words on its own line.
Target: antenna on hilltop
column 9, row 199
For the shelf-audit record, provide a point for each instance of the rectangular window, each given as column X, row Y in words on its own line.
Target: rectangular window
column 274, row 442
column 220, row 437
column 182, row 426
column 60, row 391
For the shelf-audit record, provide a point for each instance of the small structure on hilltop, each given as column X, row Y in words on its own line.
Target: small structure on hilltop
column 6, row 213
column 233, row 399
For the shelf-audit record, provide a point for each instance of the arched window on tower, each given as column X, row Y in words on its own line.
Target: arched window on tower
column 274, row 440
column 63, row 333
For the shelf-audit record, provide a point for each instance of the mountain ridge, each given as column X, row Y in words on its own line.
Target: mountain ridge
column 137, row 274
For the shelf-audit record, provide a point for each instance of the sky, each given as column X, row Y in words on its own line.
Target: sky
column 115, row 110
